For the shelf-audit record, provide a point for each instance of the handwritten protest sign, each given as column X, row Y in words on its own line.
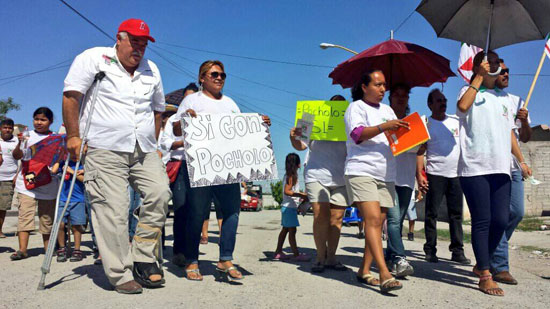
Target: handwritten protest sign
column 329, row 119
column 227, row 148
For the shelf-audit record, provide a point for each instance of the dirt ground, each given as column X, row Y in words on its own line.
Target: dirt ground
column 269, row 283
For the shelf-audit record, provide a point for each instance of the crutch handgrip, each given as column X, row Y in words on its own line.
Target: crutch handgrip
column 99, row 76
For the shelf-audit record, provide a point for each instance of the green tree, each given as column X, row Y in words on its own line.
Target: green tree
column 6, row 106
column 277, row 191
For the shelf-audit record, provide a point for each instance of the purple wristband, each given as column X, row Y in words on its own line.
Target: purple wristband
column 356, row 134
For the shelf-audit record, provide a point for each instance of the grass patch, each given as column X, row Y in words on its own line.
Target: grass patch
column 530, row 224
column 443, row 235
column 534, row 248
column 271, row 207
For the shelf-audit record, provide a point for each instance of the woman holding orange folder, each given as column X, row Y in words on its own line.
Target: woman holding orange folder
column 370, row 171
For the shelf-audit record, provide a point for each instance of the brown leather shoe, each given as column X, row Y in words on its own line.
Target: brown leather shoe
column 505, row 277
column 130, row 287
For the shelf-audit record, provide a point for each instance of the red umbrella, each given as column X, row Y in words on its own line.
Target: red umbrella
column 400, row 61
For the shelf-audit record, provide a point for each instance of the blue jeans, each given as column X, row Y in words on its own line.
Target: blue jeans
column 179, row 188
column 196, row 207
column 135, row 202
column 396, row 215
column 488, row 198
column 499, row 260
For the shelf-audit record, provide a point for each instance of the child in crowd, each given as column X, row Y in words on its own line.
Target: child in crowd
column 289, row 212
column 76, row 211
column 44, row 194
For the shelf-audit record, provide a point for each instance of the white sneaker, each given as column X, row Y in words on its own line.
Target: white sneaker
column 402, row 268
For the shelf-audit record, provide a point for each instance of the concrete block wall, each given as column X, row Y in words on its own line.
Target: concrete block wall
column 537, row 198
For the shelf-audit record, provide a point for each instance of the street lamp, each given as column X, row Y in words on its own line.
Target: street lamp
column 328, row 45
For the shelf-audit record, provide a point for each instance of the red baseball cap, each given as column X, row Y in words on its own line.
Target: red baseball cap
column 135, row 27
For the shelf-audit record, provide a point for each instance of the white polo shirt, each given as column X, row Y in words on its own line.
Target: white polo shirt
column 123, row 112
column 8, row 169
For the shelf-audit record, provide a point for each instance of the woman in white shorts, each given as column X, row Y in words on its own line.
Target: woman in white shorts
column 325, row 187
column 370, row 171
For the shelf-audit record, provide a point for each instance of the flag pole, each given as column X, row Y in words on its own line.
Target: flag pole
column 535, row 78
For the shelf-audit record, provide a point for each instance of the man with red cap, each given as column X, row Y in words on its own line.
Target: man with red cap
column 121, row 151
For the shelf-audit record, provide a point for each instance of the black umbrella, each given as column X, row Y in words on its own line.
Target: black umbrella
column 489, row 23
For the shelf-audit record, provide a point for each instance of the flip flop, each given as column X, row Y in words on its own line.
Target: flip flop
column 227, row 272
column 194, row 271
column 367, row 279
column 386, row 285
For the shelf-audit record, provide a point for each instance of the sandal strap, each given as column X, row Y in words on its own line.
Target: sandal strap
column 194, row 270
column 485, row 277
column 387, row 282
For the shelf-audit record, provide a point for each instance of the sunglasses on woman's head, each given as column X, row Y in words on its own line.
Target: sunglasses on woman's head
column 504, row 71
column 215, row 75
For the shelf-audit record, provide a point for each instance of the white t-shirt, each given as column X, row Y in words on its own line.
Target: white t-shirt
column 516, row 103
column 125, row 105
column 372, row 157
column 443, row 148
column 8, row 169
column 406, row 169
column 201, row 103
column 45, row 192
column 167, row 138
column 485, row 134
column 325, row 163
column 291, row 201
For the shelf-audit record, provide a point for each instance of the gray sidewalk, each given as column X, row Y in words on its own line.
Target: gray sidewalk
column 268, row 283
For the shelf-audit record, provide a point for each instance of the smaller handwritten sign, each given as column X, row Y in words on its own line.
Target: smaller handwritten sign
column 329, row 119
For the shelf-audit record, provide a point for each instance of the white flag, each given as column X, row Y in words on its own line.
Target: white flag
column 547, row 46
column 466, row 60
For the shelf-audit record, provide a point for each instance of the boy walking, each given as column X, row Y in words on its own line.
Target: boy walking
column 76, row 211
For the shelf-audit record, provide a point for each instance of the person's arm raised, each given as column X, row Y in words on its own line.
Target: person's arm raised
column 468, row 98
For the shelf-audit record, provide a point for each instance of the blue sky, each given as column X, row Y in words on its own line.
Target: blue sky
column 39, row 34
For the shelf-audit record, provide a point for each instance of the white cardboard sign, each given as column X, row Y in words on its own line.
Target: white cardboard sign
column 227, row 148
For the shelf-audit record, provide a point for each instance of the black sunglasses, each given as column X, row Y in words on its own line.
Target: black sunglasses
column 215, row 75
column 504, row 71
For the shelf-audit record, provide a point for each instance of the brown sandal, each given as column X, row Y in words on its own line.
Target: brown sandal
column 19, row 255
column 490, row 291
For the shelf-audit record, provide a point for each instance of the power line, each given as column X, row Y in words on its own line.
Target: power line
column 86, row 19
column 51, row 67
column 183, row 70
column 18, row 77
column 404, row 21
column 242, row 78
column 248, row 57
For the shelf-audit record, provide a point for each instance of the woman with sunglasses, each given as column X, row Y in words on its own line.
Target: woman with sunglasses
column 486, row 142
column 210, row 100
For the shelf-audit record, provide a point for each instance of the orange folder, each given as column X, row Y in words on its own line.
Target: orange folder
column 402, row 140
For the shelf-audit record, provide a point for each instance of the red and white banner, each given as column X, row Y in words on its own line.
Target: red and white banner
column 466, row 60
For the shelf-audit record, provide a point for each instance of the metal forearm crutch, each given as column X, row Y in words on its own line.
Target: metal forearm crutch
column 55, row 229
